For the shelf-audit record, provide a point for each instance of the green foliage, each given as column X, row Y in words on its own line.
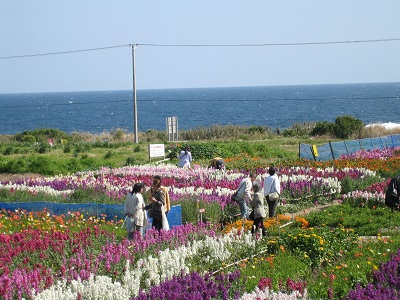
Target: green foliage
column 289, row 266
column 95, row 151
column 228, row 132
column 365, row 221
column 322, row 128
column 8, row 151
column 89, row 195
column 256, row 129
column 154, row 135
column 42, row 165
column 230, row 213
column 82, row 147
column 41, row 135
column 131, row 161
column 298, row 130
column 67, row 148
column 43, row 148
column 318, row 245
column 19, row 165
column 137, row 149
column 198, row 150
column 119, row 134
column 108, row 155
column 348, row 184
column 345, row 126
column 28, row 138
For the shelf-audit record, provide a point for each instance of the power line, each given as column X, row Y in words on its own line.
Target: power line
column 205, row 45
column 272, row 44
column 202, row 100
column 63, row 52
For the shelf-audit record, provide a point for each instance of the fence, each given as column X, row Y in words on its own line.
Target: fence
column 333, row 150
column 109, row 211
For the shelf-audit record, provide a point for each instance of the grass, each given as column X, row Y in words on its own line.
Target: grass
column 29, row 151
column 72, row 157
column 340, row 273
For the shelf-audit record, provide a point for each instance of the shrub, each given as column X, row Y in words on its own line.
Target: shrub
column 256, row 129
column 299, row 130
column 8, row 151
column 42, row 165
column 119, row 134
column 41, row 135
column 349, row 184
column 67, row 148
column 322, row 128
column 345, row 126
column 43, row 148
column 130, row 161
column 28, row 138
column 108, row 155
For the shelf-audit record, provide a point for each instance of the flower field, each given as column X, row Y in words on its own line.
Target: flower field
column 346, row 251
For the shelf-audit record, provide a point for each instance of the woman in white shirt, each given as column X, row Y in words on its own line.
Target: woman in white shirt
column 136, row 217
column 272, row 185
column 185, row 158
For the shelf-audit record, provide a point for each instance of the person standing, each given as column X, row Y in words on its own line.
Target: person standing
column 392, row 195
column 244, row 195
column 257, row 203
column 167, row 205
column 134, row 206
column 157, row 202
column 272, row 185
column 185, row 158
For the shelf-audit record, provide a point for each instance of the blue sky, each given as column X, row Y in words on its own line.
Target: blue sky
column 35, row 27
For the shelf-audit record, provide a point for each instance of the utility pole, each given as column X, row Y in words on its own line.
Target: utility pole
column 134, row 46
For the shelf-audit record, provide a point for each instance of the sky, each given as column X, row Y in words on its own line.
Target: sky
column 47, row 27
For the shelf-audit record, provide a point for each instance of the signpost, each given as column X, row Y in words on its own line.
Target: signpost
column 172, row 128
column 156, row 150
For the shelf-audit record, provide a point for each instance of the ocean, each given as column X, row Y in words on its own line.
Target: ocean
column 270, row 106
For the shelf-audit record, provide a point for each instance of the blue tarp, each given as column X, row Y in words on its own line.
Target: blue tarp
column 110, row 211
column 334, row 150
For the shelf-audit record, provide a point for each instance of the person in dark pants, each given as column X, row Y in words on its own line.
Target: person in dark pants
column 257, row 203
column 272, row 185
column 167, row 205
column 157, row 202
column 393, row 193
column 244, row 196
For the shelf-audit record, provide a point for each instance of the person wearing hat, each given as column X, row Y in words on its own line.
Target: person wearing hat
column 272, row 185
column 217, row 163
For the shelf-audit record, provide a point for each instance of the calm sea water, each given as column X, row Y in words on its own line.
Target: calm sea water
column 272, row 106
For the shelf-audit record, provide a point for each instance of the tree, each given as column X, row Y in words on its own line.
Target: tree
column 345, row 126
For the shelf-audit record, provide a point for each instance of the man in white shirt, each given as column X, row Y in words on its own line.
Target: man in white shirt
column 271, row 185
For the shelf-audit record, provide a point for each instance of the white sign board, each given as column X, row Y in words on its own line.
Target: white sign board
column 156, row 150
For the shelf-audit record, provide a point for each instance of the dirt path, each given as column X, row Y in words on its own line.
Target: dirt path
column 306, row 211
column 8, row 176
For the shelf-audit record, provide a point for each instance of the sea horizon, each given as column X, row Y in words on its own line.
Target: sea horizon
column 275, row 107
column 205, row 87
